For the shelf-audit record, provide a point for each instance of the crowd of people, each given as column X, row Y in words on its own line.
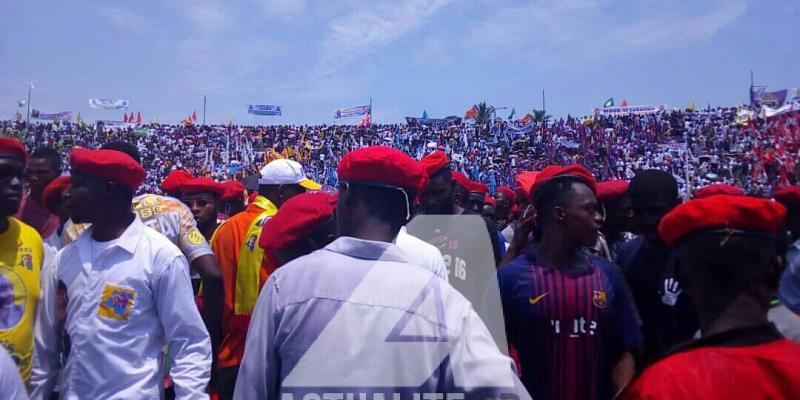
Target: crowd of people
column 634, row 257
column 698, row 147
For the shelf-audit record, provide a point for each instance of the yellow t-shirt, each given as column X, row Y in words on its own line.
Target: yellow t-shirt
column 21, row 254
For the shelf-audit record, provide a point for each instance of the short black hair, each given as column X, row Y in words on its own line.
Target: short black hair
column 653, row 183
column 50, row 154
column 553, row 193
column 387, row 204
column 125, row 147
column 443, row 173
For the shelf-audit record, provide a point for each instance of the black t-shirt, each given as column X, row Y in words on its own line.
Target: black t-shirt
column 668, row 315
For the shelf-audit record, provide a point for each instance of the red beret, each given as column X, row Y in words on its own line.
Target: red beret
column 509, row 193
column 478, row 187
column 382, row 165
column 52, row 193
column 298, row 217
column 721, row 212
column 719, row 188
column 202, row 185
column 434, row 162
column 172, row 183
column 233, row 190
column 788, row 196
column 461, row 179
column 611, row 190
column 526, row 180
column 109, row 164
column 575, row 170
column 13, row 148
column 490, row 201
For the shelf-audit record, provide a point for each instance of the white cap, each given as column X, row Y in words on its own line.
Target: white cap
column 286, row 172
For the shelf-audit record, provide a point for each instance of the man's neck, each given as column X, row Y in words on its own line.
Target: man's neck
column 36, row 196
column 208, row 230
column 4, row 224
column 556, row 252
column 372, row 229
column 744, row 311
column 113, row 227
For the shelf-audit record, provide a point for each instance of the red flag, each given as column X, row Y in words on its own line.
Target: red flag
column 366, row 121
column 194, row 116
column 527, row 118
column 471, row 113
column 624, row 103
column 138, row 118
column 125, row 118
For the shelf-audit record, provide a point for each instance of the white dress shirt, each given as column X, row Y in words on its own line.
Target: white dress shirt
column 358, row 316
column 125, row 299
column 422, row 253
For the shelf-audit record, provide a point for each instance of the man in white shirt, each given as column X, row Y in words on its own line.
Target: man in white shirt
column 358, row 316
column 128, row 292
column 11, row 386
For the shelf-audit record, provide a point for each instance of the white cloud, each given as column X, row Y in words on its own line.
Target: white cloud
column 369, row 28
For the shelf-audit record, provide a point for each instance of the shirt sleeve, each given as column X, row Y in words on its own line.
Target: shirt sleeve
column 11, row 386
column 789, row 287
column 189, row 344
column 260, row 366
column 192, row 243
column 46, row 348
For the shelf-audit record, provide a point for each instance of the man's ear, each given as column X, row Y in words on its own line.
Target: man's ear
column 559, row 214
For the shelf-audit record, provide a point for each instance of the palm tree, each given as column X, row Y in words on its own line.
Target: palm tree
column 541, row 117
column 484, row 113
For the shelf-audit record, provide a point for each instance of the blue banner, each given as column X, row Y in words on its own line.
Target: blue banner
column 264, row 109
column 108, row 104
column 352, row 112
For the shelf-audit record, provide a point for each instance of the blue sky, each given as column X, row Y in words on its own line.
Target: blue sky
column 442, row 56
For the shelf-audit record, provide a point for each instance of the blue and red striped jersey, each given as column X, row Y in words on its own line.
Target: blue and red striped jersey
column 569, row 326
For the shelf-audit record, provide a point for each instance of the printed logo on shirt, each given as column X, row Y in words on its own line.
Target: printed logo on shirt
column 116, row 302
column 196, row 238
column 599, row 299
column 251, row 242
column 534, row 300
column 26, row 261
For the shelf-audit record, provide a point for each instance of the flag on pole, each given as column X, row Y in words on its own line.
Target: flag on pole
column 194, row 116
column 690, row 107
column 366, row 121
column 125, row 117
column 22, row 103
column 138, row 118
column 424, row 115
column 513, row 112
column 527, row 118
column 609, row 102
column 471, row 113
column 624, row 103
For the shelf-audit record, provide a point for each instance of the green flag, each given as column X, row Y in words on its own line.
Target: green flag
column 513, row 112
column 609, row 102
column 22, row 103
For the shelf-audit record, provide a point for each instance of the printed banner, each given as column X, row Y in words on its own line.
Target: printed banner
column 106, row 104
column 774, row 99
column 432, row 121
column 264, row 109
column 632, row 110
column 116, row 124
column 352, row 112
column 769, row 112
column 62, row 116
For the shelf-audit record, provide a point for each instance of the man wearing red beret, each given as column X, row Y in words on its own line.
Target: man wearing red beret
column 358, row 316
column 567, row 311
column 21, row 258
column 739, row 355
column 202, row 196
column 57, row 203
column 617, row 217
column 128, row 293
column 44, row 165
column 505, row 199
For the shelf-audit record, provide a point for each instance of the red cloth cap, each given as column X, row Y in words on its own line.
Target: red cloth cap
column 788, row 196
column 509, row 193
column 576, row 170
column 478, row 187
column 109, row 164
column 434, row 162
column 722, row 212
column 461, row 179
column 202, row 185
column 611, row 190
column 172, row 183
column 298, row 217
column 13, row 148
column 526, row 180
column 52, row 193
column 233, row 190
column 382, row 165
column 490, row 201
column 718, row 188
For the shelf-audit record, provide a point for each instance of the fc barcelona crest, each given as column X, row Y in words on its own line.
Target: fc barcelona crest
column 599, row 299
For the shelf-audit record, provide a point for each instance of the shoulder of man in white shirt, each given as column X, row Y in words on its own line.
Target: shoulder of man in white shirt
column 422, row 253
